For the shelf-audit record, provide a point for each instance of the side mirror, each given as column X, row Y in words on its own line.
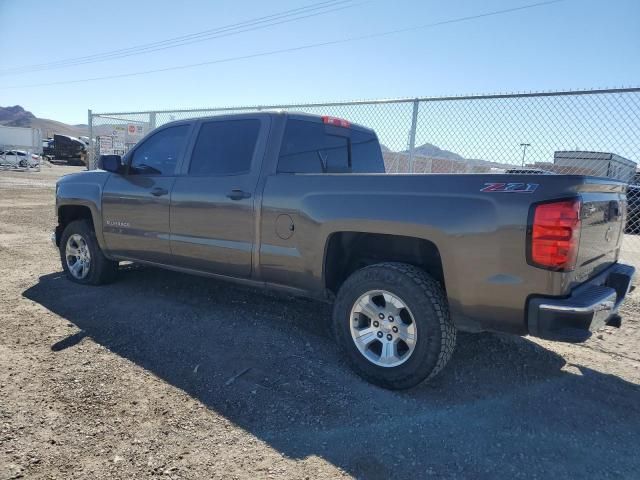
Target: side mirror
column 111, row 163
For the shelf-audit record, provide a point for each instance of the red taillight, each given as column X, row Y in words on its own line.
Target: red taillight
column 555, row 235
column 338, row 122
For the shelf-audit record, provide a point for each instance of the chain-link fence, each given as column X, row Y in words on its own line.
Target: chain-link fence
column 590, row 132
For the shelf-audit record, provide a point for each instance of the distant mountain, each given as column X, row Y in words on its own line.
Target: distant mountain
column 430, row 158
column 17, row 116
column 431, row 151
column 49, row 127
column 427, row 150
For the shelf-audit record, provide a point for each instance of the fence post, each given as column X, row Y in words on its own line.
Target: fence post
column 91, row 152
column 152, row 121
column 412, row 133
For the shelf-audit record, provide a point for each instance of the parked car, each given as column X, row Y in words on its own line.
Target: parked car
column 301, row 204
column 19, row 158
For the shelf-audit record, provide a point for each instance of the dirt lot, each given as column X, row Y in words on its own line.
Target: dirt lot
column 137, row 380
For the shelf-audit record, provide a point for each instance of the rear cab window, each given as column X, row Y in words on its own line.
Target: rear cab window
column 313, row 147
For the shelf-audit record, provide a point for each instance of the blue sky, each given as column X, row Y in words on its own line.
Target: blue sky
column 572, row 44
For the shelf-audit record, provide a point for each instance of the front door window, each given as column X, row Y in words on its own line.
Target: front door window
column 158, row 155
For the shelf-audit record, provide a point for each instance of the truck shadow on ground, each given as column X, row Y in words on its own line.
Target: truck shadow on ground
column 504, row 408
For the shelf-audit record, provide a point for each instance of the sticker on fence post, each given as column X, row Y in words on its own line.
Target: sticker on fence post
column 119, row 136
column 105, row 145
column 134, row 132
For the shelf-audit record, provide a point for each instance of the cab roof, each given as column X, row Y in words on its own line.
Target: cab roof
column 275, row 113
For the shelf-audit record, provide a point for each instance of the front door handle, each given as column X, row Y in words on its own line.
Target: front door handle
column 159, row 191
column 237, row 194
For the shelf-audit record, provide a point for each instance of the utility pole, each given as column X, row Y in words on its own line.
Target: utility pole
column 524, row 150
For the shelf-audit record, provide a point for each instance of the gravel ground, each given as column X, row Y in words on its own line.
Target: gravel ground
column 162, row 374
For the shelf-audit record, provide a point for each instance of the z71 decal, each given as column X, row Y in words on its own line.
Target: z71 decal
column 510, row 187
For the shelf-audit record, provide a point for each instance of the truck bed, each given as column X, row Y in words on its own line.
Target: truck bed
column 480, row 235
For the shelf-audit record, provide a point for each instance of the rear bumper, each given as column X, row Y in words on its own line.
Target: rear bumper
column 589, row 307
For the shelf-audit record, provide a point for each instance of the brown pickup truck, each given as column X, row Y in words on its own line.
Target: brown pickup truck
column 302, row 204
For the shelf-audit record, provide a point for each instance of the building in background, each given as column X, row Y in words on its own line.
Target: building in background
column 600, row 164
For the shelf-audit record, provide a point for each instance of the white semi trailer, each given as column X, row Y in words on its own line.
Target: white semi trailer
column 21, row 138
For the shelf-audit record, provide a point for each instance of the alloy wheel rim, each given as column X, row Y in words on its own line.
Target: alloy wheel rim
column 383, row 328
column 78, row 256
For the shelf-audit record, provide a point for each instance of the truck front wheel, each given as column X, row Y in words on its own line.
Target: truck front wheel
column 81, row 256
column 392, row 321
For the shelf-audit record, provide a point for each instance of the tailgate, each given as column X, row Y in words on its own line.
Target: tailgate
column 602, row 215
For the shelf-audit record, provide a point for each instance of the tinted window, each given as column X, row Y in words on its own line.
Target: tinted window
column 224, row 148
column 310, row 147
column 306, row 148
column 159, row 154
column 366, row 155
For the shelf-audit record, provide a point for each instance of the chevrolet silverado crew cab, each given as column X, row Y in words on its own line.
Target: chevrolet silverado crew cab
column 302, row 204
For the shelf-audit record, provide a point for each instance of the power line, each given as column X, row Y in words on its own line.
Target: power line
column 227, row 30
column 294, row 49
column 169, row 43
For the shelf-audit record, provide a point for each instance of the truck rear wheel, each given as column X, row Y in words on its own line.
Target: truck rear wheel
column 392, row 321
column 81, row 256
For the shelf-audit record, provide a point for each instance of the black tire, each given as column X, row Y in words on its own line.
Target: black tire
column 101, row 269
column 424, row 296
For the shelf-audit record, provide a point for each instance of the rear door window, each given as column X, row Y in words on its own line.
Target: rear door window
column 224, row 148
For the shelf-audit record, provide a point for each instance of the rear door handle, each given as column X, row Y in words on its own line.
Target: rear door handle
column 237, row 194
column 159, row 191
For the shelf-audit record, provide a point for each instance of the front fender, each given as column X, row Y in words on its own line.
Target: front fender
column 84, row 190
